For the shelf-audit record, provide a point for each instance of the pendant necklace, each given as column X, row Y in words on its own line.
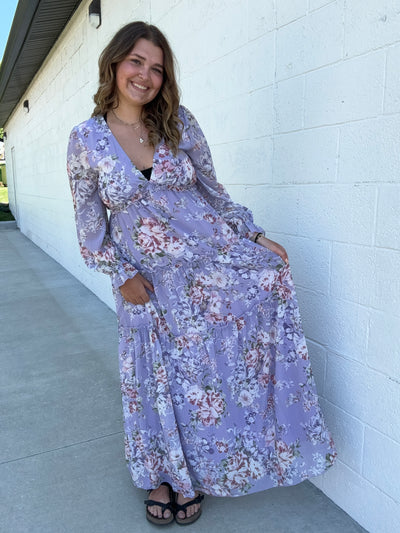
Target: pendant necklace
column 133, row 125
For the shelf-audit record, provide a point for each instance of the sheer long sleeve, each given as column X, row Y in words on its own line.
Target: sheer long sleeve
column 194, row 143
column 96, row 246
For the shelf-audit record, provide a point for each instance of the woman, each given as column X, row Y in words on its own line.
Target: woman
column 217, row 390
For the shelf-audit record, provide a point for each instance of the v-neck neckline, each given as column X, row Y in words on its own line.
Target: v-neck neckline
column 126, row 155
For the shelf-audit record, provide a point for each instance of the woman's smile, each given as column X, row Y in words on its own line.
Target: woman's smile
column 140, row 87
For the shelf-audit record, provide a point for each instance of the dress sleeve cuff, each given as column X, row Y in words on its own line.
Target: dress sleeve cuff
column 126, row 271
column 251, row 228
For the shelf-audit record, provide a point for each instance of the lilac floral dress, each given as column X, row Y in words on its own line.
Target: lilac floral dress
column 217, row 389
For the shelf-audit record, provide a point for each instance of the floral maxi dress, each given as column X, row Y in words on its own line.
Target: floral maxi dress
column 217, row 389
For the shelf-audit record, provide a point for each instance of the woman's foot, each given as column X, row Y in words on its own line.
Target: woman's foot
column 187, row 510
column 159, row 506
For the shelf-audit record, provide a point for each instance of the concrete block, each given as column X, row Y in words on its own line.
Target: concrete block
column 274, row 208
column 230, row 15
column 362, row 157
column 383, row 352
column 337, row 212
column 289, row 104
column 244, row 162
column 219, row 80
column 288, row 11
column 159, row 8
column 246, row 69
column 364, row 393
column 317, row 355
column 237, row 192
column 370, row 25
column 392, row 93
column 325, row 34
column 306, row 156
column 339, row 325
column 260, row 112
column 116, row 14
column 290, row 54
column 318, row 482
column 348, row 434
column 387, row 225
column 350, row 90
column 186, row 19
column 381, row 464
column 310, row 43
column 262, row 17
column 310, row 261
column 316, row 4
column 226, row 121
column 353, row 272
column 385, row 294
column 372, row 509
column 260, row 55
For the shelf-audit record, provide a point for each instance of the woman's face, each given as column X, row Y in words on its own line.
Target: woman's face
column 140, row 75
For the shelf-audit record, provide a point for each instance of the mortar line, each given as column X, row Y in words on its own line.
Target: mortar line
column 60, row 448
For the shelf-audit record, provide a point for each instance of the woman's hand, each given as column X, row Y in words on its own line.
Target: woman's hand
column 134, row 290
column 274, row 247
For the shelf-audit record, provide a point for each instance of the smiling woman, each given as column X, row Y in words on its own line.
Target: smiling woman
column 217, row 389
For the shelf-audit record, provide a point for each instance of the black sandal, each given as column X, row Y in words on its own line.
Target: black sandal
column 164, row 506
column 188, row 519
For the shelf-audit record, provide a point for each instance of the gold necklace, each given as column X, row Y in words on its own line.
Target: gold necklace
column 134, row 125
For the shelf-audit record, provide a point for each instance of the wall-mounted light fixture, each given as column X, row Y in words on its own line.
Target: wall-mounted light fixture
column 4, row 135
column 26, row 106
column 95, row 13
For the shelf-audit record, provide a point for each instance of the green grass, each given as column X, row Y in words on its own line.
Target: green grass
column 3, row 195
column 4, row 200
column 5, row 217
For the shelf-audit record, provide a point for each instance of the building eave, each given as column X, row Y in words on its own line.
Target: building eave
column 36, row 27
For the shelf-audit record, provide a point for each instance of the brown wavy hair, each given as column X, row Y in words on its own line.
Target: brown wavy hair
column 160, row 116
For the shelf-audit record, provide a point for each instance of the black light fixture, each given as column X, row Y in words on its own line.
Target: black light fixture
column 4, row 135
column 95, row 13
column 26, row 106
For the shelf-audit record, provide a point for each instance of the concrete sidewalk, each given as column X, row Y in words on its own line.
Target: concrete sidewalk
column 62, row 465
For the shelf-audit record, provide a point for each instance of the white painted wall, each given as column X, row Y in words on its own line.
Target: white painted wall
column 300, row 101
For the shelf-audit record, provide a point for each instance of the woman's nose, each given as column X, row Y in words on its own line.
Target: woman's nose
column 144, row 72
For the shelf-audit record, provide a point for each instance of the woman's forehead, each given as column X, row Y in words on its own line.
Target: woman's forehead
column 148, row 50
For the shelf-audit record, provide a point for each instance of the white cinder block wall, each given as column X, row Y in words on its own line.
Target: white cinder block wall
column 300, row 101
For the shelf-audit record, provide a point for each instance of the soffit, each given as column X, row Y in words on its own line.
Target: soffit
column 36, row 27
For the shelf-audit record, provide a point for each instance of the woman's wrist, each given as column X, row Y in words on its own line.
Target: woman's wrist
column 256, row 236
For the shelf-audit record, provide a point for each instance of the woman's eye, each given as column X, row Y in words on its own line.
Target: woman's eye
column 158, row 71
column 136, row 61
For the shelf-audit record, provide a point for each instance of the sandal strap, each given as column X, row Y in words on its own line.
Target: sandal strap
column 178, row 507
column 163, row 506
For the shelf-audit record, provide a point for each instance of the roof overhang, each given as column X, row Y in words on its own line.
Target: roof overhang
column 36, row 27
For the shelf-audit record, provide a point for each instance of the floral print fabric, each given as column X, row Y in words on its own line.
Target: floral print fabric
column 217, row 389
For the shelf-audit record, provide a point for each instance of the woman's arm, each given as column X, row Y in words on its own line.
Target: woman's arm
column 239, row 218
column 194, row 143
column 95, row 243
column 271, row 245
